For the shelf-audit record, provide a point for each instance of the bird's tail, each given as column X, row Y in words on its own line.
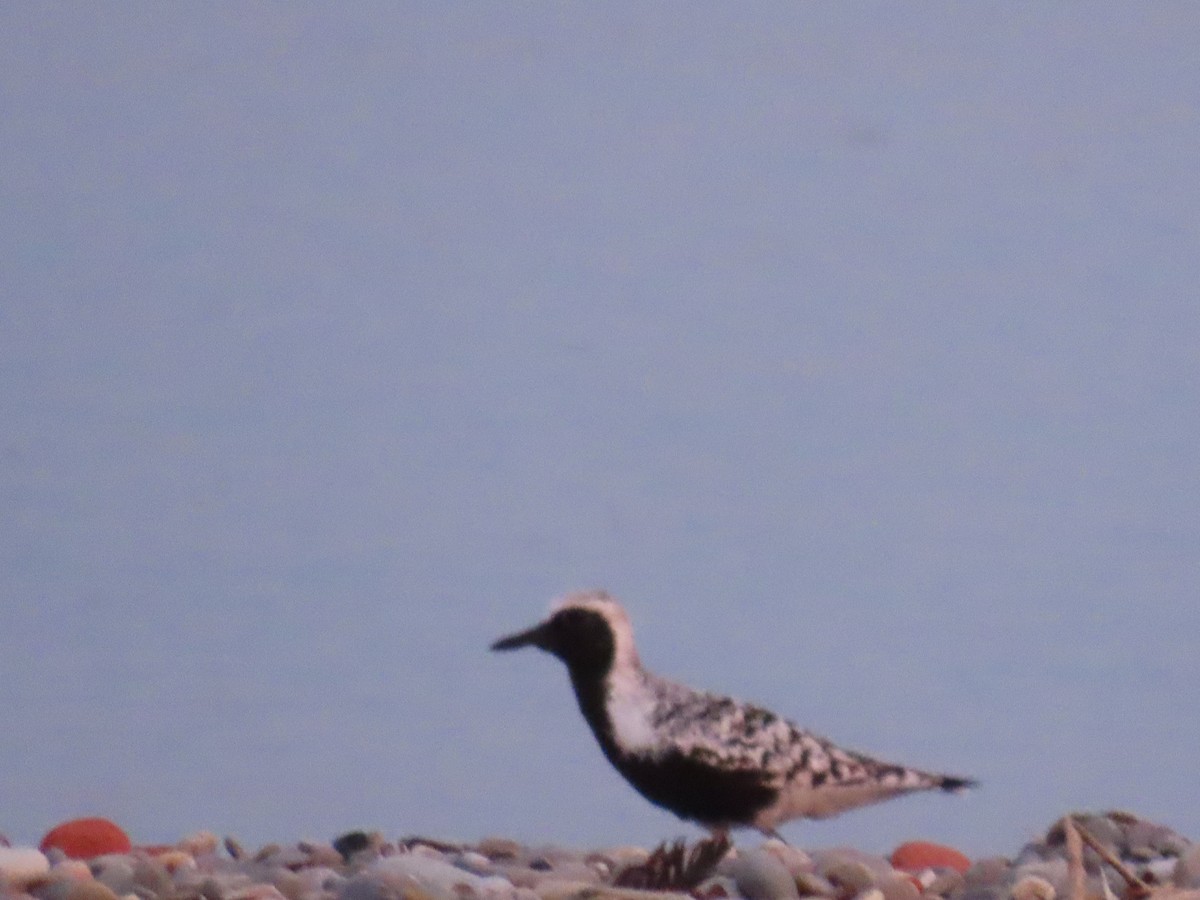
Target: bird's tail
column 952, row 784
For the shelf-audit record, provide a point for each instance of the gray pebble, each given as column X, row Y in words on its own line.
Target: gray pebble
column 794, row 859
column 364, row 887
column 1033, row 887
column 114, row 870
column 948, row 883
column 500, row 848
column 850, row 877
column 761, row 876
column 899, row 887
column 474, row 861
column 983, row 893
column 151, row 875
column 1055, row 871
column 877, row 865
column 811, row 884
column 1146, row 841
column 989, row 871
column 1186, row 873
column 434, row 875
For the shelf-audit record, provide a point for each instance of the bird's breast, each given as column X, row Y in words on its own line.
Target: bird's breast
column 630, row 709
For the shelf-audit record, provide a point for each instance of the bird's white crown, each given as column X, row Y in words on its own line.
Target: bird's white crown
column 604, row 604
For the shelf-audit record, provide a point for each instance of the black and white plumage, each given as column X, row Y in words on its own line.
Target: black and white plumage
column 707, row 758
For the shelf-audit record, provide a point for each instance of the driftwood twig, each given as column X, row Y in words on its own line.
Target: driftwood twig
column 1135, row 887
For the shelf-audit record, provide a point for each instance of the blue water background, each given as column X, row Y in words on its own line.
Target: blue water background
column 856, row 346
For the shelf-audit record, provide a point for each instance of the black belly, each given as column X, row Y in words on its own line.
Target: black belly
column 697, row 791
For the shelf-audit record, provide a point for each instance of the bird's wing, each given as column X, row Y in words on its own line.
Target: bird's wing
column 735, row 735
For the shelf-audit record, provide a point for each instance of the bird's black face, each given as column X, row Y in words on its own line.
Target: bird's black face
column 581, row 638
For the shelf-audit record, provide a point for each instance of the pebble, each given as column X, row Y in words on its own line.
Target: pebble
column 810, row 884
column 199, row 843
column 760, row 875
column 71, row 870
column 917, row 855
column 795, row 860
column 368, row 866
column 435, row 876
column 1055, row 870
column 21, row 866
column 899, row 887
column 823, row 859
column 1186, row 872
column 89, row 890
column 990, row 870
column 849, row 877
column 85, row 838
column 1033, row 887
column 114, row 870
column 946, row 883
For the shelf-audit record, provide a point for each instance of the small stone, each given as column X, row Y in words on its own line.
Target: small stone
column 85, row 838
column 151, row 875
column 429, row 873
column 71, row 870
column 89, row 890
column 574, row 890
column 499, row 848
column 1034, row 852
column 523, row 876
column 1033, row 887
column 364, row 887
column 917, row 855
column 624, row 856
column 292, row 856
column 114, row 870
column 199, row 843
column 174, row 860
column 945, row 883
column 22, row 866
column 849, row 877
column 474, row 861
column 292, row 886
column 1186, row 873
column 877, row 865
column 982, row 893
column 899, row 887
column 794, row 860
column 989, row 871
column 1157, row 871
column 256, row 892
column 810, row 884
column 320, row 853
column 761, row 876
column 1054, row 871
column 354, row 851
column 578, row 871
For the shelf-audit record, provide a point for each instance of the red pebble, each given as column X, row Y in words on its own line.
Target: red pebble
column 85, row 838
column 917, row 855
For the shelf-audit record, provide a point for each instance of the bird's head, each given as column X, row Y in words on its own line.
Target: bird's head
column 588, row 631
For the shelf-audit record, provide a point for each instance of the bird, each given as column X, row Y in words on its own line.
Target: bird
column 709, row 759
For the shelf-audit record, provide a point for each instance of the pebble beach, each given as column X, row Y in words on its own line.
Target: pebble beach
column 1086, row 856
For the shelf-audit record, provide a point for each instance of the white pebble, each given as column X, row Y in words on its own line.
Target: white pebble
column 21, row 866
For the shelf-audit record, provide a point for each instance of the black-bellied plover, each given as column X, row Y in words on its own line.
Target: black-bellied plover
column 709, row 759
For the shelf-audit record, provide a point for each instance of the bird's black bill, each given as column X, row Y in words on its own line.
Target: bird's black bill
column 533, row 637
